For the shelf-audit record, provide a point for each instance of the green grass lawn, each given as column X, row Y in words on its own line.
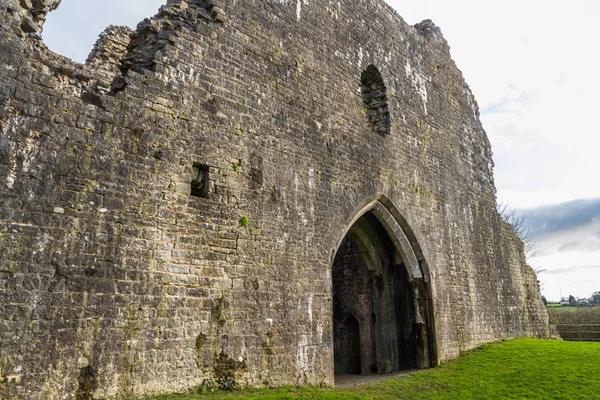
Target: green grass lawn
column 515, row 369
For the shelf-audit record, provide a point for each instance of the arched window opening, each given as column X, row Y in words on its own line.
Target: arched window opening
column 375, row 100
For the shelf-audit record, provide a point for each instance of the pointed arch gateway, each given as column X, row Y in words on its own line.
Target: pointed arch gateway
column 381, row 281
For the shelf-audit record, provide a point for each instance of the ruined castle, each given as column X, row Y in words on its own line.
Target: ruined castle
column 245, row 193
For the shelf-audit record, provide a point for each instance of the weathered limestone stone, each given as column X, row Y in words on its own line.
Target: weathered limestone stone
column 109, row 50
column 27, row 16
column 171, row 212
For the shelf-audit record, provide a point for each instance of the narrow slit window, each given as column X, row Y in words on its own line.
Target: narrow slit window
column 200, row 186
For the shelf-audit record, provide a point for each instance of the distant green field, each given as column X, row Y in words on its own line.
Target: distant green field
column 515, row 369
column 574, row 315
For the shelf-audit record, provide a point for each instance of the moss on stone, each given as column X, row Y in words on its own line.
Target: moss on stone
column 226, row 371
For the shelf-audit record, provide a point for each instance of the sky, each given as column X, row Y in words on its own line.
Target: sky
column 532, row 66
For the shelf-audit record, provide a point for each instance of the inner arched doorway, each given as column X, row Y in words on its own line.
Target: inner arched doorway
column 381, row 301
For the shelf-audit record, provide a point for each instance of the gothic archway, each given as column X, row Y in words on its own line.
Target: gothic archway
column 380, row 280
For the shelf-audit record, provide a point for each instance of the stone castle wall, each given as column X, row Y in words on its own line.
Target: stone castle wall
column 115, row 281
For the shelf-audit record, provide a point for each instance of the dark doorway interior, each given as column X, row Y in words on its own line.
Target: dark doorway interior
column 376, row 325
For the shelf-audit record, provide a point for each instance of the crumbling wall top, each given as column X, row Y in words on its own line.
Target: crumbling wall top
column 109, row 49
column 29, row 15
column 146, row 43
column 428, row 29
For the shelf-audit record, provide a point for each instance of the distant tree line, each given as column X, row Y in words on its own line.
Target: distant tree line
column 593, row 300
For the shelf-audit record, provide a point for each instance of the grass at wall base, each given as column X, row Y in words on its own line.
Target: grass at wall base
column 513, row 369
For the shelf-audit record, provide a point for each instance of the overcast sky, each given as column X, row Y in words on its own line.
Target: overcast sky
column 532, row 66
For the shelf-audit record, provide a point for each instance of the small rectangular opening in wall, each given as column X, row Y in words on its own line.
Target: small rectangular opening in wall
column 200, row 187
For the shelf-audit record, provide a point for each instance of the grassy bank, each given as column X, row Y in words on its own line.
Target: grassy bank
column 516, row 369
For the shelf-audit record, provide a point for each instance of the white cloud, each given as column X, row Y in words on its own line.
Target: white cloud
column 571, row 260
column 537, row 60
column 573, row 273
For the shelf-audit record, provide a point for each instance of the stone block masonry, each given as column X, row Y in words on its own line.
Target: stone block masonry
column 170, row 212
